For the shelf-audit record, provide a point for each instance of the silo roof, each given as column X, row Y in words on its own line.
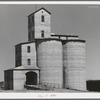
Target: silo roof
column 48, row 39
column 74, row 40
column 66, row 35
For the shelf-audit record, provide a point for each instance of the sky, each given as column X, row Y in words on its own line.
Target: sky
column 82, row 20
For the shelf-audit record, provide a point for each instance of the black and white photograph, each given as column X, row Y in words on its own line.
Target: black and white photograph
column 49, row 48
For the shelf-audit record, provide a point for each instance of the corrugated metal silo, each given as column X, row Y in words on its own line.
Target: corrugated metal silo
column 74, row 64
column 50, row 61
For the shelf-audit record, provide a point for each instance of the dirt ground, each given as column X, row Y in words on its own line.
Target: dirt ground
column 43, row 91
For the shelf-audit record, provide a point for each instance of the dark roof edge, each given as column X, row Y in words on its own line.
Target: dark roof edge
column 26, row 69
column 66, row 35
column 8, row 69
column 74, row 40
column 20, row 69
column 38, row 10
column 48, row 39
column 25, row 43
column 93, row 80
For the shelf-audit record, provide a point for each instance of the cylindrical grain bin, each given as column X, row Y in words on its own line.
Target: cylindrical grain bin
column 50, row 61
column 74, row 64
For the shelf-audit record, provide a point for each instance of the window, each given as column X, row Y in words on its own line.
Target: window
column 42, row 33
column 28, row 49
column 42, row 18
column 28, row 62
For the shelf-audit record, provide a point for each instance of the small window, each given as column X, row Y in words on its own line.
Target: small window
column 42, row 33
column 28, row 49
column 28, row 62
column 42, row 18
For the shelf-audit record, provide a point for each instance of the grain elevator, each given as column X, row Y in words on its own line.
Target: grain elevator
column 47, row 59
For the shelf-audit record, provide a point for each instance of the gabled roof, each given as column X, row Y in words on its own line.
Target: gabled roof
column 39, row 10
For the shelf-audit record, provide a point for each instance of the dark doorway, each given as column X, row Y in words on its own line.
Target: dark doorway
column 31, row 78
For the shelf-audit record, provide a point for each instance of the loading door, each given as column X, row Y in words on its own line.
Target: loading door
column 31, row 78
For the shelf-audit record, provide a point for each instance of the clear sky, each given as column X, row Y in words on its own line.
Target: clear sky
column 82, row 20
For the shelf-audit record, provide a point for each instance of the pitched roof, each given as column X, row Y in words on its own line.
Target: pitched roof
column 25, row 43
column 39, row 10
column 23, row 68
